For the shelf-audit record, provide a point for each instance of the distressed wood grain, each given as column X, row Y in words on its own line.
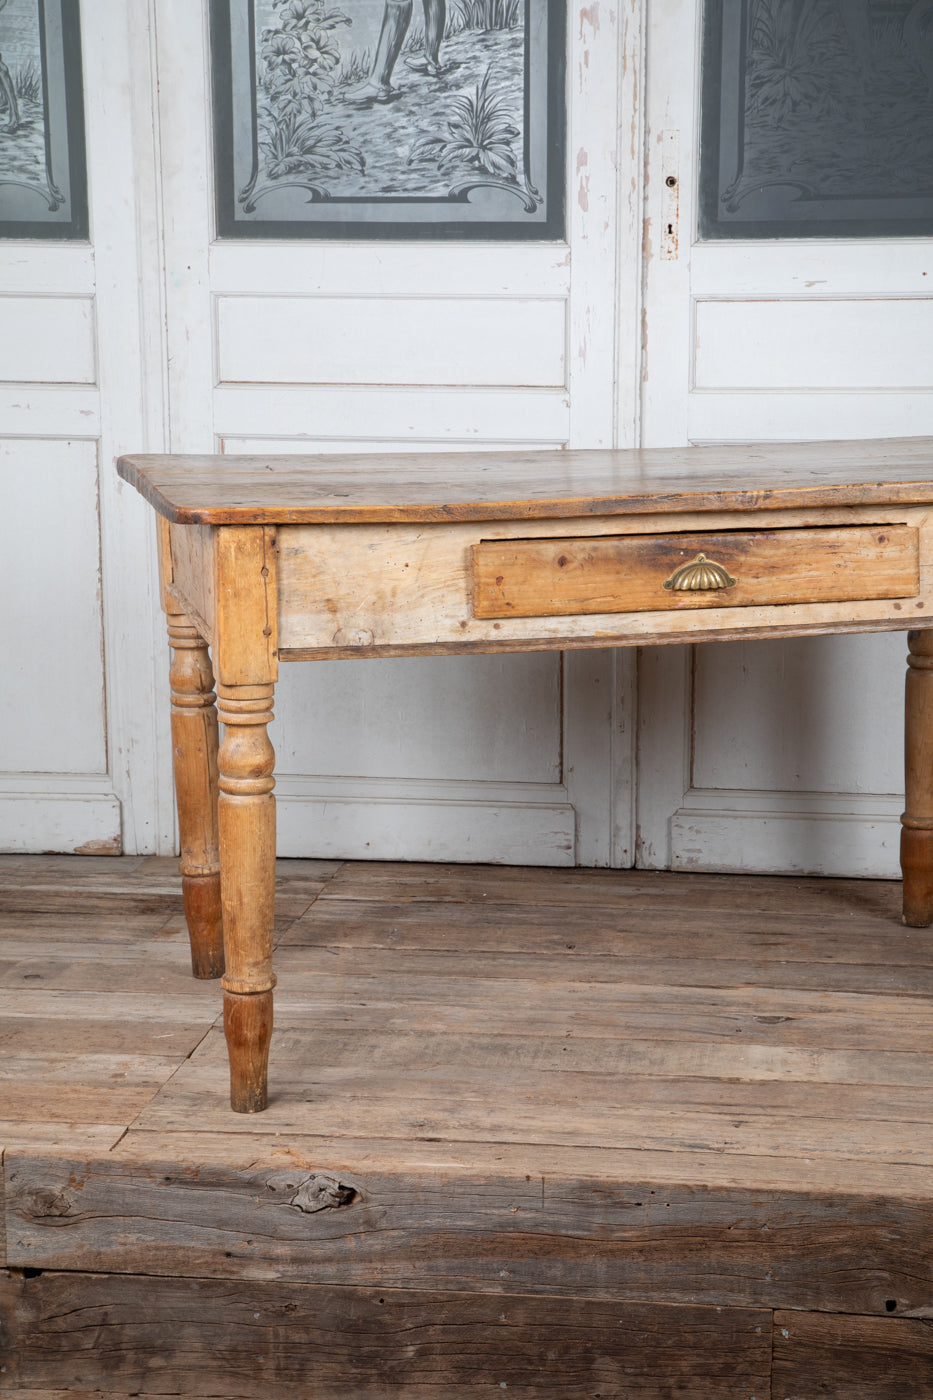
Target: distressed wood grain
column 35, row 1020
column 408, row 558
column 62, row 1138
column 373, row 589
column 461, row 1000
column 632, row 573
column 764, row 950
column 463, row 1052
column 468, row 1107
column 455, row 1229
column 447, row 1104
column 82, row 1393
column 194, row 1336
column 916, row 852
column 518, row 1161
column 192, row 585
column 861, row 1358
column 496, row 486
column 624, row 890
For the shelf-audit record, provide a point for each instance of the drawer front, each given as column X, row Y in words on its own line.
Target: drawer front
column 660, row 573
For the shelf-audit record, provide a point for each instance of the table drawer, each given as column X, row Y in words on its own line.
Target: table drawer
column 657, row 573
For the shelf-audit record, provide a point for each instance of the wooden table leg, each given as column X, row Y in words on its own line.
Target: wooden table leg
column 194, row 749
column 246, row 652
column 917, row 821
column 247, row 845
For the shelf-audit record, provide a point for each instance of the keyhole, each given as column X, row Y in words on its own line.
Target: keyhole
column 671, row 182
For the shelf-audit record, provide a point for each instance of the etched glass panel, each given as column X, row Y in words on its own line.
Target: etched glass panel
column 388, row 118
column 43, row 182
column 817, row 118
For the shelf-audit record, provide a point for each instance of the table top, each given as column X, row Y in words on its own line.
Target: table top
column 413, row 487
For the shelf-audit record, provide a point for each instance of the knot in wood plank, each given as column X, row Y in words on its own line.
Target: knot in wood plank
column 314, row 1192
column 45, row 1203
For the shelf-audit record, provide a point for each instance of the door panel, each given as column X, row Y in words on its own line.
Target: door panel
column 308, row 418
column 783, row 755
column 438, row 755
column 770, row 344
column 391, row 340
column 797, row 716
column 48, row 340
column 49, row 492
column 80, row 381
column 419, row 717
column 341, row 346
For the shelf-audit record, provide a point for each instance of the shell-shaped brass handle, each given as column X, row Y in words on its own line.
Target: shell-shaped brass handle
column 700, row 575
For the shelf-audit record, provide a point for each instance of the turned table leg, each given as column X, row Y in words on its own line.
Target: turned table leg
column 246, row 656
column 247, row 846
column 917, row 821
column 194, row 751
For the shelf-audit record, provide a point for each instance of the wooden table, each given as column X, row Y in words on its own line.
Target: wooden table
column 269, row 559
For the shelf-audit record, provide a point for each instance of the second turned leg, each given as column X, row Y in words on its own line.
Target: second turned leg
column 194, row 746
column 917, row 821
column 247, row 844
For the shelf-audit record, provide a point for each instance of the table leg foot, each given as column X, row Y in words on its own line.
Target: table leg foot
column 248, row 1029
column 917, row 868
column 201, row 898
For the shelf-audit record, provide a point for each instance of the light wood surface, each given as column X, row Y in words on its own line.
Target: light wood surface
column 247, row 849
column 296, row 558
column 194, row 748
column 297, row 490
column 244, row 567
column 245, row 617
column 457, row 1128
column 189, row 551
column 804, row 998
column 634, row 573
column 373, row 590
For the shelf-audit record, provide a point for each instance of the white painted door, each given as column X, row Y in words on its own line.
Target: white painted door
column 80, row 741
column 511, row 758
column 780, row 756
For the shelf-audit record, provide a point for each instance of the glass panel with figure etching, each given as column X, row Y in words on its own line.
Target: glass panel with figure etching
column 388, row 118
column 817, row 118
column 43, row 182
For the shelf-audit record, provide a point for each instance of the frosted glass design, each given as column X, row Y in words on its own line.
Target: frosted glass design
column 43, row 182
column 817, row 118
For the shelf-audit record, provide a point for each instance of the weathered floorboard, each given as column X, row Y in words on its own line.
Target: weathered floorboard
column 600, row 1105
column 859, row 1358
column 458, row 1230
column 853, row 950
column 813, row 1176
column 82, row 1393
column 738, row 896
column 59, row 1137
column 194, row 1336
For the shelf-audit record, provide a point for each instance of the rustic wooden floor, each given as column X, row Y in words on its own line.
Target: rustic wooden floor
column 549, row 1133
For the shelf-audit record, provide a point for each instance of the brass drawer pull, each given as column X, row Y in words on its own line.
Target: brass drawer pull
column 700, row 575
